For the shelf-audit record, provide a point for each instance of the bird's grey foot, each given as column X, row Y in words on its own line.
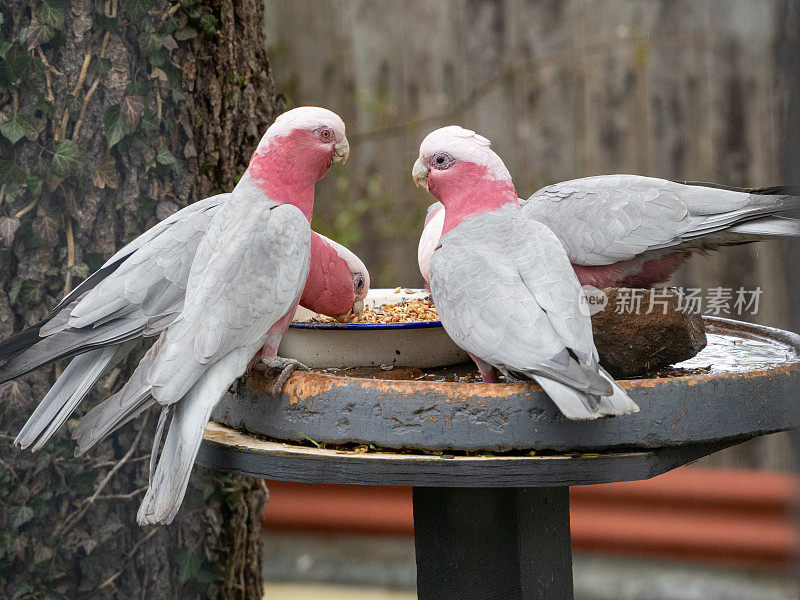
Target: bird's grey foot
column 287, row 366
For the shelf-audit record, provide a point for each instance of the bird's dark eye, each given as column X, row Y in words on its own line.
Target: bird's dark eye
column 359, row 282
column 325, row 134
column 442, row 160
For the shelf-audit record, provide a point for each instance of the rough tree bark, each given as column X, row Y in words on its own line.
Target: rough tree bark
column 114, row 114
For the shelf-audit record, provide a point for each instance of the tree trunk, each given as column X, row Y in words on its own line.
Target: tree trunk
column 113, row 115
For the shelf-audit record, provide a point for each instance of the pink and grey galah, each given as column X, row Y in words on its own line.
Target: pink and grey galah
column 219, row 281
column 634, row 231
column 503, row 285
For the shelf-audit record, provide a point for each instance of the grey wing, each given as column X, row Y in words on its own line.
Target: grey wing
column 151, row 280
column 126, row 251
column 137, row 292
column 610, row 218
column 514, row 303
column 249, row 271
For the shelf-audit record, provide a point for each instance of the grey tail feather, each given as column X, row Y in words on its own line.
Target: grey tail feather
column 67, row 392
column 191, row 415
column 573, row 404
column 618, row 403
column 162, row 421
column 768, row 226
column 114, row 412
column 774, row 190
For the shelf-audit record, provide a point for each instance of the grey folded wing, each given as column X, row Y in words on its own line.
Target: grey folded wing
column 249, row 272
column 506, row 292
column 611, row 218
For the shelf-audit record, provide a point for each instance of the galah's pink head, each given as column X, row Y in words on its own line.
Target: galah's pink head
column 295, row 152
column 459, row 168
column 337, row 282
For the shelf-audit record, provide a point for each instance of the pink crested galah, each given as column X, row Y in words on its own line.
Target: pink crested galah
column 243, row 284
column 136, row 294
column 503, row 285
column 633, row 231
column 338, row 281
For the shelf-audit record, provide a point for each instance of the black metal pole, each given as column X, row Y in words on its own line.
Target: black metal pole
column 493, row 543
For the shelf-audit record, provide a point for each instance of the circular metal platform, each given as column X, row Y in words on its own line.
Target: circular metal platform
column 233, row 451
column 749, row 389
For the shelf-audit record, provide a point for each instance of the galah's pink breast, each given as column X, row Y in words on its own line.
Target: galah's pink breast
column 637, row 272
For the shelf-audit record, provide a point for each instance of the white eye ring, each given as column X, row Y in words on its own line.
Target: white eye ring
column 442, row 161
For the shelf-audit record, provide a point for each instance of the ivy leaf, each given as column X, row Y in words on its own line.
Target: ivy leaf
column 19, row 515
column 23, row 67
column 67, row 158
column 10, row 173
column 31, row 239
column 22, row 591
column 31, row 293
column 53, row 13
column 8, row 227
column 34, row 185
column 137, row 8
column 189, row 564
column 38, row 33
column 158, row 58
column 150, row 42
column 208, row 24
column 4, row 46
column 41, row 553
column 95, row 260
column 42, row 107
column 107, row 23
column 116, row 125
column 102, row 66
column 165, row 208
column 132, row 107
column 169, row 43
column 73, row 104
column 17, row 127
column 106, row 174
column 166, row 159
column 186, row 33
column 13, row 292
column 81, row 270
column 46, row 228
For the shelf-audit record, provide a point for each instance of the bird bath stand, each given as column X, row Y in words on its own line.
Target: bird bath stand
column 491, row 517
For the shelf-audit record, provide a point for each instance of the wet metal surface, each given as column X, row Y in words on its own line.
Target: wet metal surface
column 749, row 389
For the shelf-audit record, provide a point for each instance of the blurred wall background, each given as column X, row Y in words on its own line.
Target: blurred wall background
column 685, row 90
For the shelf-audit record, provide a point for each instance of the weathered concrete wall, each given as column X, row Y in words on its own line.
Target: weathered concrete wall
column 686, row 90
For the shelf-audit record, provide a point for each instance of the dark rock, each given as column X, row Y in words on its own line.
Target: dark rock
column 639, row 332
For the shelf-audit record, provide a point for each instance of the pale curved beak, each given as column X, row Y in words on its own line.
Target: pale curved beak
column 358, row 308
column 341, row 151
column 420, row 174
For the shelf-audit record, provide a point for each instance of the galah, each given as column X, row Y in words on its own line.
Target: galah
column 633, row 231
column 242, row 286
column 502, row 284
column 124, row 292
column 338, row 281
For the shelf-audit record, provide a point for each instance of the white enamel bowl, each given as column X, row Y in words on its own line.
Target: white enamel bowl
column 424, row 344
